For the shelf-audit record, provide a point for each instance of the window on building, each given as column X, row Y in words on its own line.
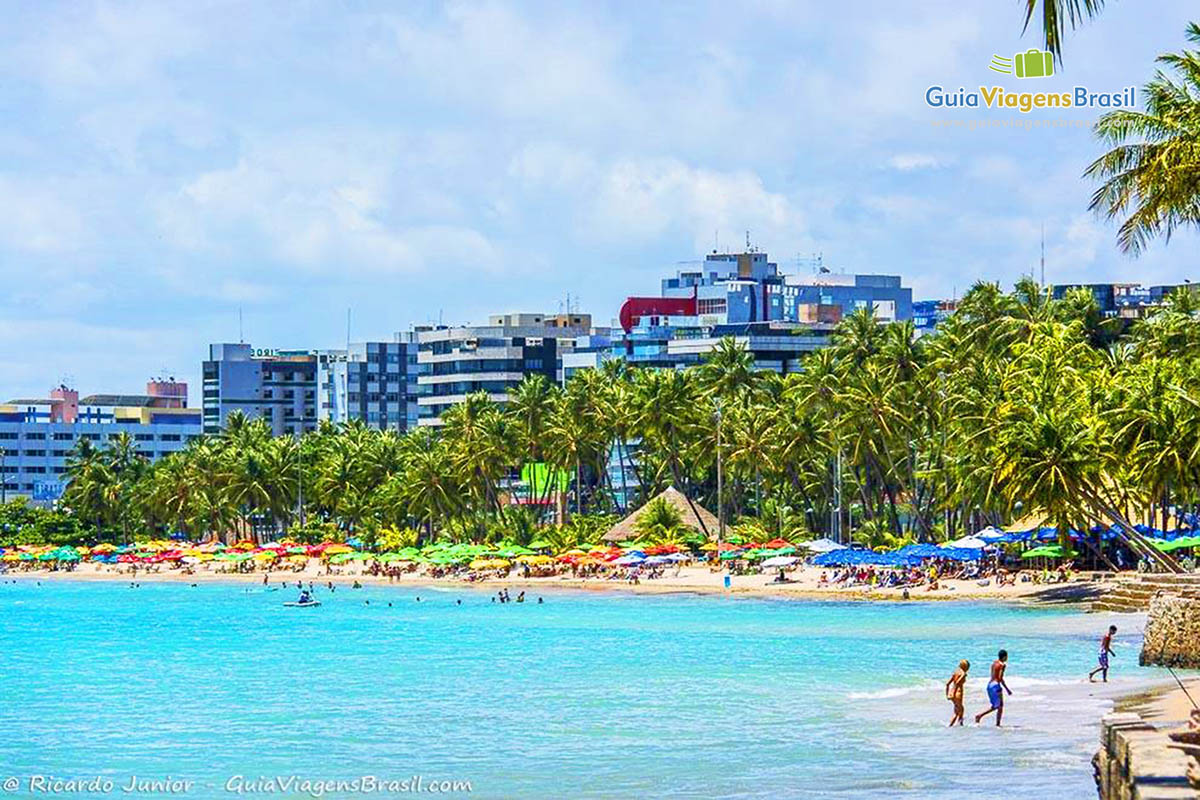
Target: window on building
column 35, row 436
column 63, row 437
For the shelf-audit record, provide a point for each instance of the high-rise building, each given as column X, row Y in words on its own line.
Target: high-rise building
column 493, row 358
column 777, row 317
column 375, row 382
column 1128, row 300
column 279, row 386
column 38, row 434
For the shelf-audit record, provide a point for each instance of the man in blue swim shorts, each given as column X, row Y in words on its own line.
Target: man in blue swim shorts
column 995, row 687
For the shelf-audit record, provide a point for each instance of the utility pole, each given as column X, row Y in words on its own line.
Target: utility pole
column 942, row 394
column 1043, row 284
column 720, row 486
column 300, row 468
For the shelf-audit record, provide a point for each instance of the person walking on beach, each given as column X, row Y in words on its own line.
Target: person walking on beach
column 1105, row 651
column 954, row 691
column 995, row 688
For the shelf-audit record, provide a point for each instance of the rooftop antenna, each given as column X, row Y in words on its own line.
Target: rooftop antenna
column 241, row 336
column 347, row 331
column 716, row 241
column 749, row 249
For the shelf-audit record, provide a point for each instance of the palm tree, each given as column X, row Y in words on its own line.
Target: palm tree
column 1152, row 172
column 428, row 489
column 1056, row 15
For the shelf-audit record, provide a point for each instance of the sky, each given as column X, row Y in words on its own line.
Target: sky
column 169, row 168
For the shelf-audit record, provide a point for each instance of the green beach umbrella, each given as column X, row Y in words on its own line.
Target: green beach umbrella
column 1178, row 544
column 540, row 544
column 1049, row 551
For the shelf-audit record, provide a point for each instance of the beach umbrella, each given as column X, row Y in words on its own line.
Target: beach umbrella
column 777, row 543
column 337, row 550
column 780, row 561
column 539, row 544
column 730, row 555
column 822, row 546
column 575, row 551
column 1178, row 544
column 1049, row 551
column 970, row 542
column 709, row 546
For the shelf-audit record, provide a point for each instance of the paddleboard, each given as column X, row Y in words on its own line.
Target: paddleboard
column 309, row 604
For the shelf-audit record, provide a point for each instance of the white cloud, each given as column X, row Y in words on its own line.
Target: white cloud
column 634, row 199
column 908, row 162
column 42, row 215
column 325, row 204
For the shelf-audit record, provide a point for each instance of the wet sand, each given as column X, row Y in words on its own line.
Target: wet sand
column 802, row 583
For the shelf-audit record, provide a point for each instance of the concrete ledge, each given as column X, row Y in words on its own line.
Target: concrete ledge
column 1136, row 762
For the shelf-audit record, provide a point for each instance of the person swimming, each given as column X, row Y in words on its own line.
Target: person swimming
column 995, row 687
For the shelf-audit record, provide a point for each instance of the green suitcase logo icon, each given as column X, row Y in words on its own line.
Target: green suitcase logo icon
column 1034, row 63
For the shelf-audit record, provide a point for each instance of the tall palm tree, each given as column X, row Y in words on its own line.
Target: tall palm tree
column 1151, row 176
column 1055, row 15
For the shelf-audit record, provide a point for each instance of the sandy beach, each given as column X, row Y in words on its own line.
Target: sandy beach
column 1167, row 704
column 802, row 583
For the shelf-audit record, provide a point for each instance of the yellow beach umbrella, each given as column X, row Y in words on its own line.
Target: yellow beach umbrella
column 10, row 557
column 265, row 556
column 535, row 559
column 708, row 546
column 298, row 559
column 575, row 551
column 480, row 563
column 337, row 549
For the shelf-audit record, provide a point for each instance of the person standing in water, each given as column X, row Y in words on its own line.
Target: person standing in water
column 954, row 691
column 995, row 688
column 1105, row 651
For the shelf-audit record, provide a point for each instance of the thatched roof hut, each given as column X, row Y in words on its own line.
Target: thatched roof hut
column 699, row 519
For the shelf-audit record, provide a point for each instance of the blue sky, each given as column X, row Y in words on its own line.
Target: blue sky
column 167, row 164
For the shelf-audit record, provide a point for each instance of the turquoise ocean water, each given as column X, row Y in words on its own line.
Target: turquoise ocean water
column 588, row 695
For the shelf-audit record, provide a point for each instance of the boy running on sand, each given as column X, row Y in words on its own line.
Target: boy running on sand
column 954, row 690
column 994, row 687
column 1105, row 651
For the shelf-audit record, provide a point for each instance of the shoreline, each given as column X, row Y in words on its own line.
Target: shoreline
column 1166, row 705
column 691, row 580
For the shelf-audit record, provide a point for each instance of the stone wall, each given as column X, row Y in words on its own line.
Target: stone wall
column 1172, row 636
column 1136, row 762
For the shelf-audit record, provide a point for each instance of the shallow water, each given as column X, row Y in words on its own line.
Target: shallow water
column 588, row 695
